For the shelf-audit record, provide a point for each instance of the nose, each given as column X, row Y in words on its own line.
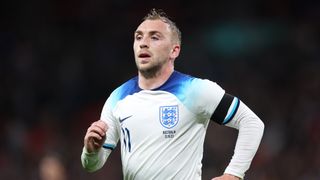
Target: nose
column 144, row 43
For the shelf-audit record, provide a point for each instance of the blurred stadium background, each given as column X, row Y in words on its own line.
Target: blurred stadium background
column 59, row 60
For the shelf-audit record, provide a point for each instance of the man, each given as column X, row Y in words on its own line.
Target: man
column 161, row 116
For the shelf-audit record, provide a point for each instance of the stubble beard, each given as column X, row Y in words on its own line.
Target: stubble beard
column 150, row 72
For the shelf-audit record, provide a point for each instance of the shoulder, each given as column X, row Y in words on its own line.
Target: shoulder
column 128, row 88
column 183, row 82
column 188, row 88
column 200, row 96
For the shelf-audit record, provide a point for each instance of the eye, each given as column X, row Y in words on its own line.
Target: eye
column 154, row 37
column 138, row 37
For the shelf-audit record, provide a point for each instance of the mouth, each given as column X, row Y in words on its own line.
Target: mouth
column 144, row 55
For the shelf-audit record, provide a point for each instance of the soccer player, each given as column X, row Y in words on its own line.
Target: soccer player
column 160, row 117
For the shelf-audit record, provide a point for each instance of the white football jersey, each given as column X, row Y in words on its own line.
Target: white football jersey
column 161, row 131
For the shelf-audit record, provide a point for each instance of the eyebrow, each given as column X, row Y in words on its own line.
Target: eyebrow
column 150, row 32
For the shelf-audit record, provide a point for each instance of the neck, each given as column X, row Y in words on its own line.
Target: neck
column 155, row 81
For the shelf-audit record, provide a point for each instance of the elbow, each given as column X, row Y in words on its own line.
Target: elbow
column 255, row 125
column 260, row 126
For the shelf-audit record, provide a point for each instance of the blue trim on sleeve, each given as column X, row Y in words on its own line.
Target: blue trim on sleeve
column 108, row 146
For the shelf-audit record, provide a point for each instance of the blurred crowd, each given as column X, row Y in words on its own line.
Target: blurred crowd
column 60, row 60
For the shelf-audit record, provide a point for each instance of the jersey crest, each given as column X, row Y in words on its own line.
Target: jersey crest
column 169, row 116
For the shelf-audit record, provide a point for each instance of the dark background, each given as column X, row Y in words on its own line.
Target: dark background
column 60, row 60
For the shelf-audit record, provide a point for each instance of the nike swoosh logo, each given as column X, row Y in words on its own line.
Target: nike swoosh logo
column 121, row 120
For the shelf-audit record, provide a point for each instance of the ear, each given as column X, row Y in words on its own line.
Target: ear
column 175, row 51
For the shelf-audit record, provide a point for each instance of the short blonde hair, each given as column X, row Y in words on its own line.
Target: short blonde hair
column 156, row 14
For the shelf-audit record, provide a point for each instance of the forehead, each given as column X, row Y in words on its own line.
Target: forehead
column 153, row 25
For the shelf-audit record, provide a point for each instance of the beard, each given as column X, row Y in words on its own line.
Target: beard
column 151, row 71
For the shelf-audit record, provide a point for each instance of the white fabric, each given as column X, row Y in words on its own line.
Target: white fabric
column 154, row 148
column 250, row 133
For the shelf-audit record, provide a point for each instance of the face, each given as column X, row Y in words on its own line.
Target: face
column 154, row 47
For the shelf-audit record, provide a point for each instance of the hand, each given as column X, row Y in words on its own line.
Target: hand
column 226, row 177
column 95, row 136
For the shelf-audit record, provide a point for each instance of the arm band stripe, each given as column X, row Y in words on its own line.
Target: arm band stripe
column 233, row 111
column 221, row 115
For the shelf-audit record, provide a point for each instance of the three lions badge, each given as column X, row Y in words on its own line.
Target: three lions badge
column 169, row 116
